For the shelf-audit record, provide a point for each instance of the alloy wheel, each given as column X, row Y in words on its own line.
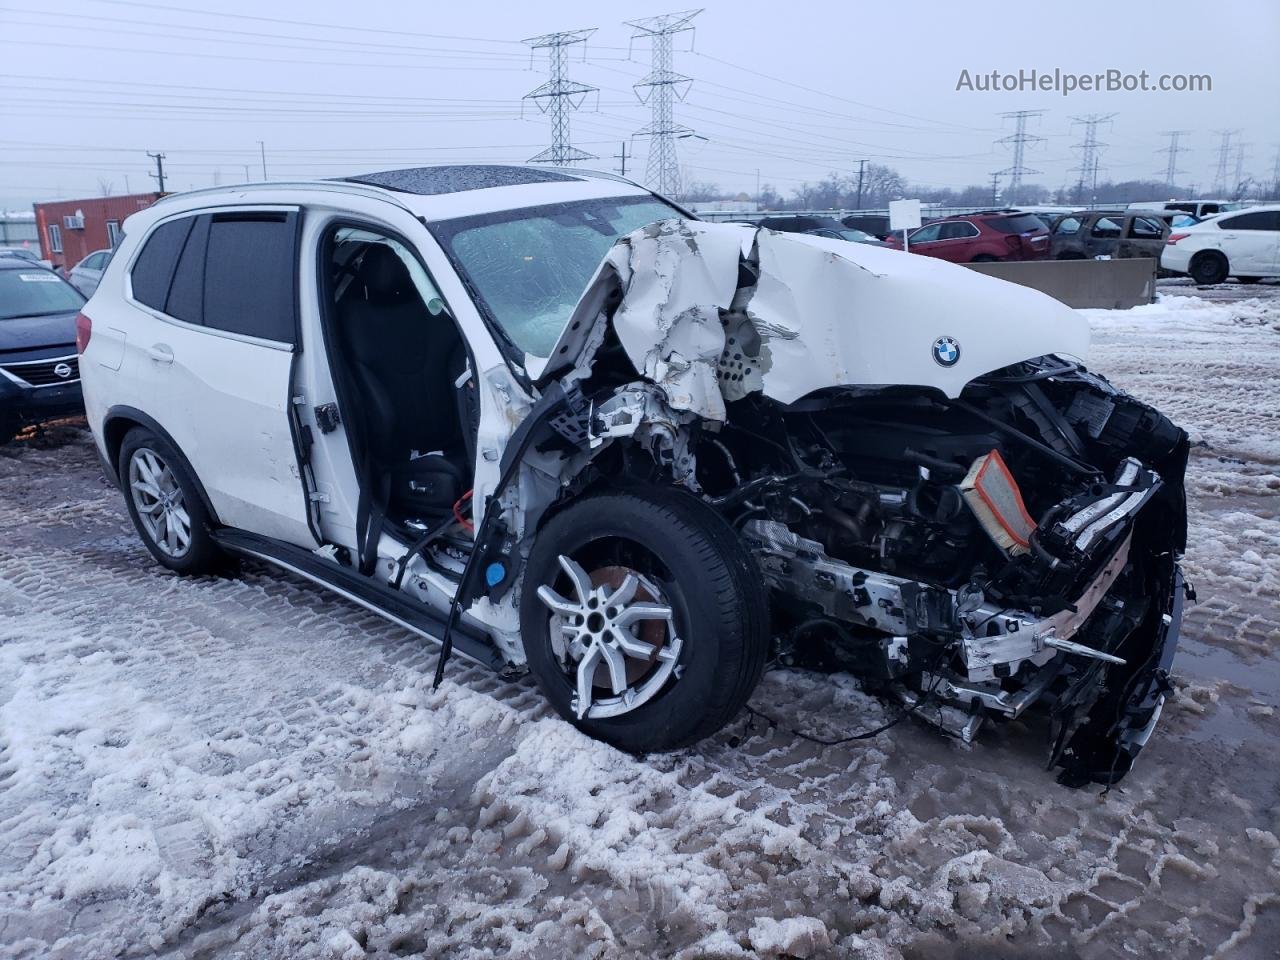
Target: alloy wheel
column 616, row 638
column 160, row 503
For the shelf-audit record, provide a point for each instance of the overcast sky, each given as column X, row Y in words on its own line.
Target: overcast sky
column 791, row 89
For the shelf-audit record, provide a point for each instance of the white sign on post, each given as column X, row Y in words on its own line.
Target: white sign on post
column 904, row 215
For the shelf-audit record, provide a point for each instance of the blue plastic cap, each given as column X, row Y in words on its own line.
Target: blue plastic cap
column 494, row 573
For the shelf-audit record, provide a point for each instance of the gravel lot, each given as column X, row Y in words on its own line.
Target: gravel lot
column 247, row 767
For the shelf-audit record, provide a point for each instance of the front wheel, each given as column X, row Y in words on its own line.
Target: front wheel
column 165, row 505
column 644, row 619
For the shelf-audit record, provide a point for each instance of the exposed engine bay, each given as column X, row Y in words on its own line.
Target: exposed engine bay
column 970, row 540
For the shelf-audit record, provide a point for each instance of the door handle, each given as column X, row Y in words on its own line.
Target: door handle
column 160, row 353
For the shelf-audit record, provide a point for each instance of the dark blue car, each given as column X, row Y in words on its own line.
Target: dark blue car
column 39, row 366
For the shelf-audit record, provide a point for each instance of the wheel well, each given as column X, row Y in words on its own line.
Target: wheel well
column 1207, row 255
column 116, row 427
column 113, row 434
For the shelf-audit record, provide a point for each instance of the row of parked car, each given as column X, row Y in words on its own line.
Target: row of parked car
column 84, row 276
column 1242, row 243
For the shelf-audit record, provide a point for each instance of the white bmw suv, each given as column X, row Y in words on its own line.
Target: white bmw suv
column 1243, row 244
column 550, row 420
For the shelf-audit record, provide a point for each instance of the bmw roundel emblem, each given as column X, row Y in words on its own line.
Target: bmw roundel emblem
column 946, row 351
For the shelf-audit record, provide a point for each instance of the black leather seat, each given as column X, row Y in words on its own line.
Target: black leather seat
column 400, row 357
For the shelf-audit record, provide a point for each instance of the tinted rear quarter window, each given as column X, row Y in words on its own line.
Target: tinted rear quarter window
column 1259, row 220
column 1024, row 223
column 153, row 270
column 250, row 275
column 186, row 293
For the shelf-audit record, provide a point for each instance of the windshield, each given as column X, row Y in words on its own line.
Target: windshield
column 34, row 293
column 528, row 268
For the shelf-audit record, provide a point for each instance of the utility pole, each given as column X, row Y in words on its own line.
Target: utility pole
column 262, row 149
column 995, row 189
column 1019, row 140
column 1090, row 153
column 159, row 174
column 663, row 87
column 1171, row 171
column 622, row 156
column 1224, row 154
column 246, row 173
column 862, row 166
column 559, row 96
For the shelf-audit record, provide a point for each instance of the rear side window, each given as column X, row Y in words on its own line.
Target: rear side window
column 186, row 293
column 153, row 270
column 1106, row 227
column 1067, row 225
column 1259, row 220
column 250, row 277
column 1023, row 223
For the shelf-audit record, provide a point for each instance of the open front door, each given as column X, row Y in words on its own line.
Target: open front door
column 390, row 448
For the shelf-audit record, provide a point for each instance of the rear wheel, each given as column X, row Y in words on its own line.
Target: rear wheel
column 643, row 618
column 165, row 505
column 1209, row 267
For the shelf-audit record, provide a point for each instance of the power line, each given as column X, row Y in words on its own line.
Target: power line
column 664, row 86
column 342, row 27
column 1171, row 171
column 560, row 96
column 1019, row 139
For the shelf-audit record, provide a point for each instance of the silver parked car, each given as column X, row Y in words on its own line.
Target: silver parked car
column 84, row 276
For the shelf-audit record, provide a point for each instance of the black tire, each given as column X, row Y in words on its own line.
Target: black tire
column 1248, row 279
column 200, row 555
column 984, row 258
column 1209, row 267
column 711, row 583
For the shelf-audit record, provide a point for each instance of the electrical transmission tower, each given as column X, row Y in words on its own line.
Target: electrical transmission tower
column 560, row 96
column 661, row 87
column 1019, row 139
column 1171, row 171
column 1239, row 181
column 1224, row 155
column 1090, row 152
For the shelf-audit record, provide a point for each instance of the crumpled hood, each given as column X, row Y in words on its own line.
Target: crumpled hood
column 711, row 312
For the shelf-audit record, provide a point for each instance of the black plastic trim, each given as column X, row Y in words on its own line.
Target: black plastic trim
column 370, row 594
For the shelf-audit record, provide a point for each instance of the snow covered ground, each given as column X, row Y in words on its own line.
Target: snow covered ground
column 250, row 768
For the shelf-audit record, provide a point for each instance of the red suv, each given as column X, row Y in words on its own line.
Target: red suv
column 978, row 237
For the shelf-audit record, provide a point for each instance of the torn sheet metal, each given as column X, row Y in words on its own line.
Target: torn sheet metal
column 806, row 313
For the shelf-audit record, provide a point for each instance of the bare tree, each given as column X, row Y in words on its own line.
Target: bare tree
column 106, row 187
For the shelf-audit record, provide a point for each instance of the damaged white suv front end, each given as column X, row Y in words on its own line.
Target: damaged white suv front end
column 938, row 495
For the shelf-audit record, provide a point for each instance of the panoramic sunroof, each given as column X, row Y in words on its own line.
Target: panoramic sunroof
column 427, row 181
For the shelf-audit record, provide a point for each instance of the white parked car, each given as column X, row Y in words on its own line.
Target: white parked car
column 86, row 274
column 1245, row 245
column 546, row 418
column 1197, row 208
